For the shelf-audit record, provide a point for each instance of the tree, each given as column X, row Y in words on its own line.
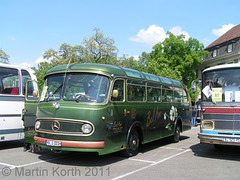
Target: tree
column 96, row 49
column 4, row 58
column 176, row 58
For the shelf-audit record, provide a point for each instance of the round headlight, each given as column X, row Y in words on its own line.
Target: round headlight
column 86, row 128
column 207, row 124
column 37, row 125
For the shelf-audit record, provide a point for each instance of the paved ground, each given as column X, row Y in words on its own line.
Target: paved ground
column 158, row 160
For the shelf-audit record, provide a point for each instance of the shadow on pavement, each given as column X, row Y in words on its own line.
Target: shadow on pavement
column 93, row 159
column 219, row 152
column 11, row 144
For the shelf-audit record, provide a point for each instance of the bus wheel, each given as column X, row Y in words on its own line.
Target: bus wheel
column 175, row 138
column 132, row 146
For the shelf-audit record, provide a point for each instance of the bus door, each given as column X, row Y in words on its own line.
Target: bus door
column 187, row 112
column 181, row 102
column 29, row 112
column 117, row 111
column 168, row 110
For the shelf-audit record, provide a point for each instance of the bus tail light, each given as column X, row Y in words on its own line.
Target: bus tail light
column 207, row 124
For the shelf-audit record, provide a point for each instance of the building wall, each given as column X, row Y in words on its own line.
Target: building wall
column 222, row 57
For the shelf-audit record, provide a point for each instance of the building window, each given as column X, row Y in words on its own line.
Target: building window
column 214, row 53
column 230, row 48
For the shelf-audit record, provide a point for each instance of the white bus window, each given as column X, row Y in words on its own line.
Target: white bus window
column 9, row 81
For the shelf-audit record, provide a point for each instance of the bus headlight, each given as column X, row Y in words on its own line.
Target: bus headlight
column 37, row 125
column 86, row 128
column 207, row 124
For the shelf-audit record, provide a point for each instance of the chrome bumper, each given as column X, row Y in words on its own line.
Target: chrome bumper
column 219, row 139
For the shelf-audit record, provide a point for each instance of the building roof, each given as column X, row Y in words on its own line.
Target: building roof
column 229, row 35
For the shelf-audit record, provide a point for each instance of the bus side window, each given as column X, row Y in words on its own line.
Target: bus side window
column 153, row 94
column 118, row 85
column 25, row 77
column 185, row 98
column 178, row 94
column 136, row 93
column 167, row 94
column 10, row 81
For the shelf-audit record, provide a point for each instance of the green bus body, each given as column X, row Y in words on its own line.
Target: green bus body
column 146, row 108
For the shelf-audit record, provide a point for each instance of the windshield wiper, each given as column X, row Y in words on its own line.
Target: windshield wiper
column 52, row 94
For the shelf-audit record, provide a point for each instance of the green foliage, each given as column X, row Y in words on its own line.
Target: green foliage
column 174, row 58
column 177, row 59
column 4, row 58
column 96, row 49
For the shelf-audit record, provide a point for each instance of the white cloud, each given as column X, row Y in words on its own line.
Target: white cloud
column 222, row 30
column 40, row 59
column 32, row 64
column 155, row 34
column 27, row 64
column 177, row 30
column 136, row 57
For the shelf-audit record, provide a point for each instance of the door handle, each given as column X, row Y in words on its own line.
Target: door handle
column 125, row 112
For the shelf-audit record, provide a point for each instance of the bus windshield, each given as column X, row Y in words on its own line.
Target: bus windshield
column 76, row 87
column 222, row 85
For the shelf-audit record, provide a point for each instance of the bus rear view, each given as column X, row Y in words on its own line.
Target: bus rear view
column 220, row 107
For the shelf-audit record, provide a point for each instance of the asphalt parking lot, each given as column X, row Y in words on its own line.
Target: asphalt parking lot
column 157, row 160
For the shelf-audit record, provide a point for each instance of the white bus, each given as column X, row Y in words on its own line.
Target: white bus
column 12, row 94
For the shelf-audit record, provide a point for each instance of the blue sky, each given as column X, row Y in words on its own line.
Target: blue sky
column 28, row 28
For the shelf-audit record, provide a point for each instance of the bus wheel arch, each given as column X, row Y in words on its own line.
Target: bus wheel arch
column 134, row 139
column 177, row 130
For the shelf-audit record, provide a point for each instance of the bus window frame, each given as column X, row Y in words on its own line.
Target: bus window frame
column 171, row 88
column 144, row 84
column 124, row 90
column 19, row 82
column 150, row 84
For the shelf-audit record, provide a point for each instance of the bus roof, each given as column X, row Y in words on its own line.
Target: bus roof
column 111, row 70
column 223, row 66
column 17, row 67
column 14, row 66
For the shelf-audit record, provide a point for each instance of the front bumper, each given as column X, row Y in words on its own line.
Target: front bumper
column 72, row 144
column 219, row 139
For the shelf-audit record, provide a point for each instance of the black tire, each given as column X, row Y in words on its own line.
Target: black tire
column 132, row 144
column 175, row 138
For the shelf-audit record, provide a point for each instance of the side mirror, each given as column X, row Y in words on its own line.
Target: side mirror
column 115, row 93
column 193, row 86
column 35, row 93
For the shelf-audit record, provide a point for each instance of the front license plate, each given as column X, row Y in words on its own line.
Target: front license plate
column 231, row 140
column 53, row 143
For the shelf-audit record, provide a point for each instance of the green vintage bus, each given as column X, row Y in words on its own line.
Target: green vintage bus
column 106, row 108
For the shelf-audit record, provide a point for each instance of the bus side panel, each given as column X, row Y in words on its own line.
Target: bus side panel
column 115, row 126
column 10, row 118
column 157, row 122
column 30, row 109
column 29, row 121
